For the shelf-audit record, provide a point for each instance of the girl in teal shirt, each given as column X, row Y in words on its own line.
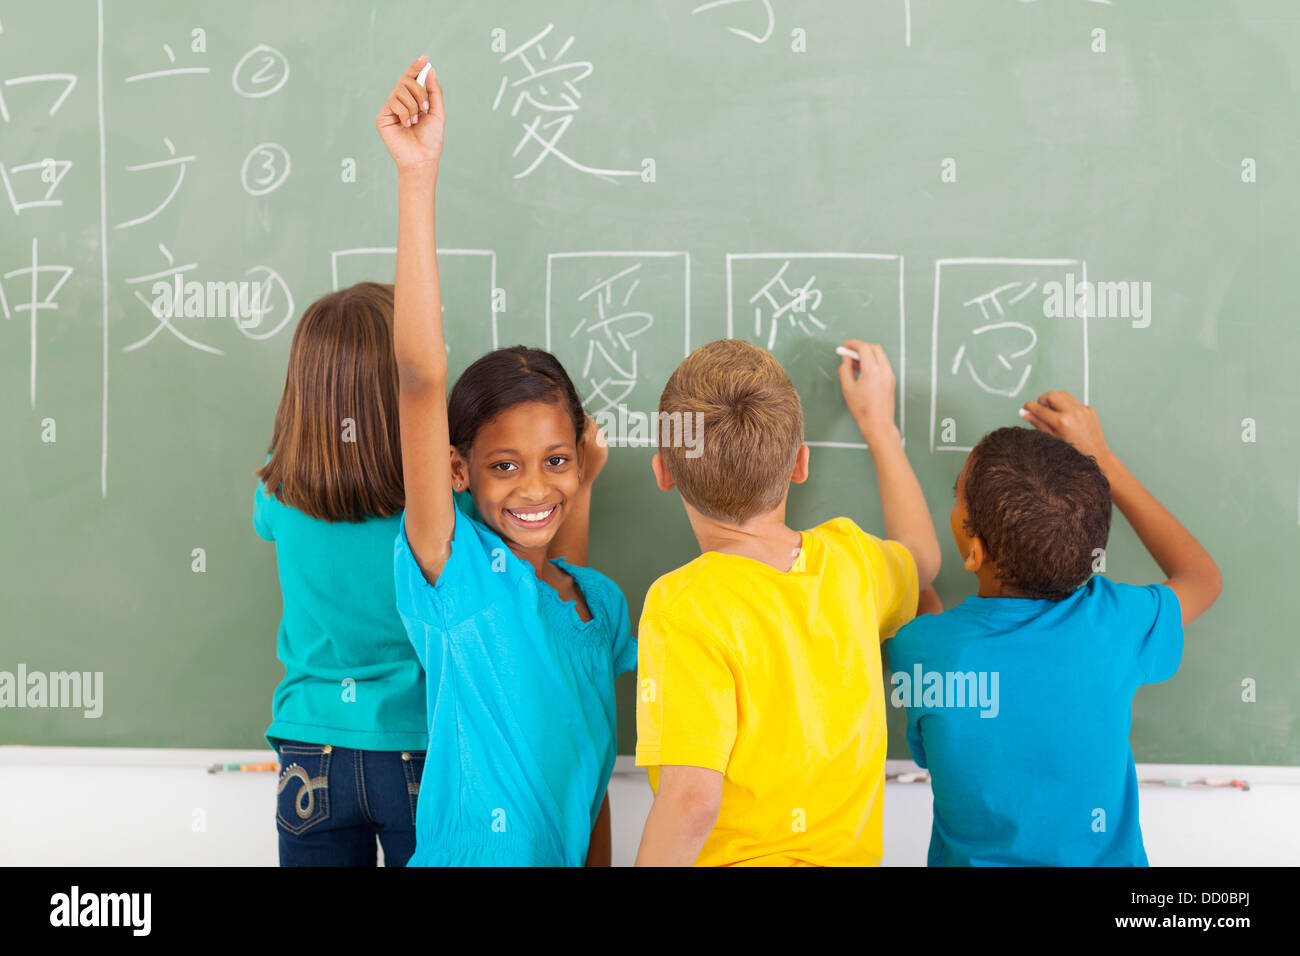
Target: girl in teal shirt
column 348, row 720
column 521, row 649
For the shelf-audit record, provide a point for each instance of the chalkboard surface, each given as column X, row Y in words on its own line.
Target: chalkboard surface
column 622, row 182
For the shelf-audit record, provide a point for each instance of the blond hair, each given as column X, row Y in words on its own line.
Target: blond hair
column 752, row 430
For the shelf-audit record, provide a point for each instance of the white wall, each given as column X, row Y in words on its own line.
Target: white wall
column 106, row 807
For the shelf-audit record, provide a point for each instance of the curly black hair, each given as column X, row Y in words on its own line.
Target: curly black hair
column 1040, row 507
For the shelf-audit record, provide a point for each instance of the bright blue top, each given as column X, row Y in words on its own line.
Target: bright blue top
column 350, row 676
column 1047, row 777
column 522, row 732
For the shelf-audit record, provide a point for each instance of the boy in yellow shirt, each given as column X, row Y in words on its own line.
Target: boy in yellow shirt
column 760, row 702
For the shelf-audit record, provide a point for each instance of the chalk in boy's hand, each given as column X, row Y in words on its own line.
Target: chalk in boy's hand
column 1063, row 415
column 869, row 395
column 411, row 122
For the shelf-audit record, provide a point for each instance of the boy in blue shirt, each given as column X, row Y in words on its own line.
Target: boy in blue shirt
column 1018, row 700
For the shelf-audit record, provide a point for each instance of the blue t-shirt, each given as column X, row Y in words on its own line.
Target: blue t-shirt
column 522, row 731
column 350, row 676
column 1035, row 768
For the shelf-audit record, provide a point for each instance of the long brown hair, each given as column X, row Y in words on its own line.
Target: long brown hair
column 335, row 450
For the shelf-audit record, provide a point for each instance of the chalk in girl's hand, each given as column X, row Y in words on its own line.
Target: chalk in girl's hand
column 849, row 353
column 424, row 106
column 1024, row 414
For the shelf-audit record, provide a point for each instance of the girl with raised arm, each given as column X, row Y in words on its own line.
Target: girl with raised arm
column 521, row 648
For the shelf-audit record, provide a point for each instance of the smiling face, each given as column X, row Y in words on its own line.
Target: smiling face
column 523, row 473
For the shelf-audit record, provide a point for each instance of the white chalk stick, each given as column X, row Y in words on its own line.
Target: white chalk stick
column 841, row 350
column 424, row 73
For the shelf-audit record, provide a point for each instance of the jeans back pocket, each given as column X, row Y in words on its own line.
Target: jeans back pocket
column 303, row 796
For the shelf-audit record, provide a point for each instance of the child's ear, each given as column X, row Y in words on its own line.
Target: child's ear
column 662, row 478
column 975, row 556
column 459, row 472
column 800, row 473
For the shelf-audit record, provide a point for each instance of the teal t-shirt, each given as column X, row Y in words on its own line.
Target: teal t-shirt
column 522, row 734
column 351, row 678
column 1021, row 708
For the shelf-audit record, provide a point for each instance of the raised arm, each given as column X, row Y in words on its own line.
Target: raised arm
column 411, row 124
column 1192, row 573
column 870, row 398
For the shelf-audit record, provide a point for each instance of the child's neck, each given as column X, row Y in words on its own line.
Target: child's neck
column 764, row 538
column 537, row 558
column 991, row 587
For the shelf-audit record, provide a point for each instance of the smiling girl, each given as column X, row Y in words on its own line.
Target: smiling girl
column 521, row 649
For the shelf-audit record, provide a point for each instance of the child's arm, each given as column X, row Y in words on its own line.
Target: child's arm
column 1193, row 575
column 414, row 140
column 870, row 398
column 682, row 816
column 570, row 541
column 598, row 850
column 928, row 602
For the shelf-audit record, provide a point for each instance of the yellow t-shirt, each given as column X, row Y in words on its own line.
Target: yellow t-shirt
column 773, row 679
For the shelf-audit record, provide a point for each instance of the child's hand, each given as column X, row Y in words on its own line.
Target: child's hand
column 1063, row 415
column 593, row 454
column 411, row 122
column 870, row 396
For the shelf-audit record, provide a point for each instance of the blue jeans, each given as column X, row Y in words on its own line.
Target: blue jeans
column 333, row 802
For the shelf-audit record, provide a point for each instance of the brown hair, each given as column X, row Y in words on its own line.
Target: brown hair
column 1040, row 506
column 341, row 366
column 752, row 430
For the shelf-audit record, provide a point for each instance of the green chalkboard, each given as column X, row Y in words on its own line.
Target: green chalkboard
column 624, row 181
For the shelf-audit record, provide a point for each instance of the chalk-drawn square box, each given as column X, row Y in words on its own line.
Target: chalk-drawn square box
column 992, row 347
column 468, row 279
column 619, row 322
column 801, row 305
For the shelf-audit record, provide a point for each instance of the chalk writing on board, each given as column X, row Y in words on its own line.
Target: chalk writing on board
column 69, row 79
column 170, row 71
column 610, row 331
column 260, row 72
column 40, row 178
column 992, row 305
column 265, row 168
column 777, row 302
column 603, row 312
column 163, row 317
column 276, row 299
column 34, row 302
column 171, row 161
column 801, row 305
column 992, row 347
column 544, row 98
column 752, row 4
